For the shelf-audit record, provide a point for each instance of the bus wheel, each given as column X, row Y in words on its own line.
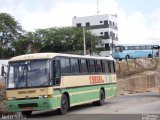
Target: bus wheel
column 149, row 56
column 120, row 59
column 26, row 113
column 127, row 57
column 64, row 105
column 100, row 102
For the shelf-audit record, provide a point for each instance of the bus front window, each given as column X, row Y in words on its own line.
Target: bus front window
column 119, row 49
column 31, row 73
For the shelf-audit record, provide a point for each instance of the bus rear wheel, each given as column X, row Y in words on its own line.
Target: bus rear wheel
column 149, row 56
column 127, row 57
column 26, row 113
column 64, row 105
column 100, row 102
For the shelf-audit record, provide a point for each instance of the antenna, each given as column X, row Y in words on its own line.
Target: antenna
column 98, row 7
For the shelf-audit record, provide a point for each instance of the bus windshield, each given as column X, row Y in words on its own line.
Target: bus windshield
column 31, row 73
column 119, row 49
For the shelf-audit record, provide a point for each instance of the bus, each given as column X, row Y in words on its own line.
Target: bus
column 55, row 81
column 134, row 51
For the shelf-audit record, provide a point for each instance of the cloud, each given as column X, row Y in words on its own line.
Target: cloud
column 63, row 12
column 133, row 28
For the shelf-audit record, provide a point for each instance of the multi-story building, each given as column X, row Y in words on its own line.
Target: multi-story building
column 104, row 26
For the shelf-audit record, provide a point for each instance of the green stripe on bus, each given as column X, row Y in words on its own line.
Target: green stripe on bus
column 82, row 94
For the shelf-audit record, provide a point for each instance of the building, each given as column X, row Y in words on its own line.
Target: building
column 104, row 26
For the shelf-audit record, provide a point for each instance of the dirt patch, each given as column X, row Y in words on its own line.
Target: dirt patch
column 142, row 82
column 137, row 66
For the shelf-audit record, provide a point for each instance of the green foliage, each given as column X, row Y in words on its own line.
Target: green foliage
column 15, row 41
column 64, row 39
column 9, row 29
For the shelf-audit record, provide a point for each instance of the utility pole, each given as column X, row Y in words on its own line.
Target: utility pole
column 84, row 41
column 112, row 43
column 91, row 49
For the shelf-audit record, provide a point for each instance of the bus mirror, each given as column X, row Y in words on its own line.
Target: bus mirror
column 3, row 73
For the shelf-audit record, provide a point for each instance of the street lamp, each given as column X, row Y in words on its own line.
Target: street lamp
column 84, row 41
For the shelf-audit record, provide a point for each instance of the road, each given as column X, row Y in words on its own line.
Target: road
column 128, row 107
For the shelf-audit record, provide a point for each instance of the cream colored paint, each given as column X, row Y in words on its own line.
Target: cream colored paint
column 22, row 93
column 81, row 80
column 51, row 55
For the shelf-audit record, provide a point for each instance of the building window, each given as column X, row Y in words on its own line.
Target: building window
column 101, row 33
column 107, row 47
column 110, row 22
column 106, row 35
column 101, row 21
column 111, row 33
column 106, row 22
column 87, row 24
column 78, row 25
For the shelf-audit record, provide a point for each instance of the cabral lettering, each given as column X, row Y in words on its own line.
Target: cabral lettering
column 96, row 79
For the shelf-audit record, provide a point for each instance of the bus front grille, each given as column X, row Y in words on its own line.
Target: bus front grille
column 27, row 105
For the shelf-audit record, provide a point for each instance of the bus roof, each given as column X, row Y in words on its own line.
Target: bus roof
column 137, row 45
column 51, row 55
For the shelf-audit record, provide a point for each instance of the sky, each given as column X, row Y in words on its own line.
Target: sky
column 138, row 20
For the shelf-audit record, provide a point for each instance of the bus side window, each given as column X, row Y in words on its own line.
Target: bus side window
column 109, row 66
column 56, row 72
column 83, row 64
column 98, row 66
column 112, row 65
column 92, row 66
column 65, row 66
column 74, row 66
column 105, row 64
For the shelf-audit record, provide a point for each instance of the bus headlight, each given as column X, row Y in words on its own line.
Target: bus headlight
column 41, row 96
column 45, row 96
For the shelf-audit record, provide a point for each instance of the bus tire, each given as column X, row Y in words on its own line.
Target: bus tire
column 120, row 59
column 26, row 113
column 64, row 105
column 100, row 102
column 127, row 57
column 149, row 56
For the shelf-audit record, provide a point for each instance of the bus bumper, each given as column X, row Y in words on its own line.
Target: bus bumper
column 30, row 105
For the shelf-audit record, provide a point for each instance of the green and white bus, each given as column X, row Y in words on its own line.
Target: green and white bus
column 54, row 81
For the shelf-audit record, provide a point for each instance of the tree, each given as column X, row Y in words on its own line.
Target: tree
column 65, row 39
column 9, row 31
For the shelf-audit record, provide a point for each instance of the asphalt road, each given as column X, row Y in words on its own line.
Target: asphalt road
column 140, row 106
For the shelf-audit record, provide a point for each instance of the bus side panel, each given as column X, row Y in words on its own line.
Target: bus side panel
column 85, row 94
